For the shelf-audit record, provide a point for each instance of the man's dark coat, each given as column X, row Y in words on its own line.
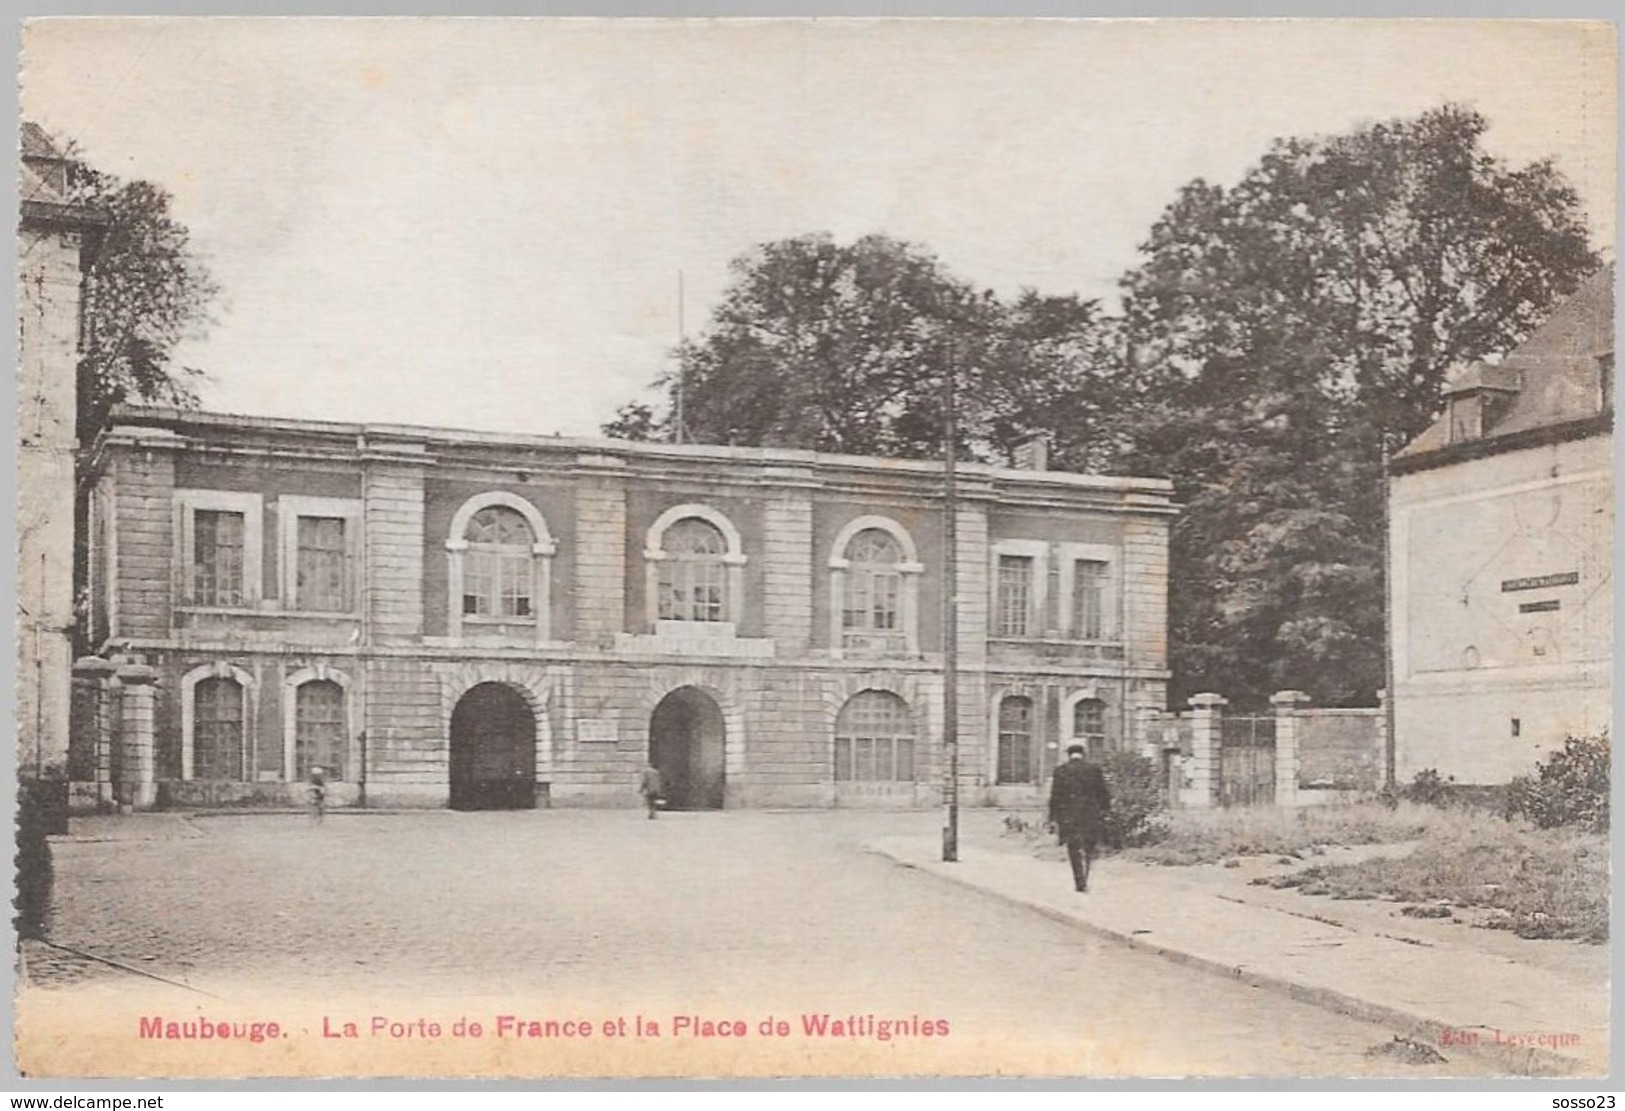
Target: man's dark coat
column 1079, row 801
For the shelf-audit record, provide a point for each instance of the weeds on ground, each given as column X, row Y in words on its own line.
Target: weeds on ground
column 1537, row 883
column 1210, row 836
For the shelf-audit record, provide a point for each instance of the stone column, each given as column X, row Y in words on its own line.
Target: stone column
column 1288, row 706
column 1385, row 769
column 1207, row 725
column 91, row 736
column 139, row 779
column 1148, row 732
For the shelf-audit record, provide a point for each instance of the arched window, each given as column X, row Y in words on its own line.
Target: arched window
column 498, row 567
column 874, row 588
column 497, row 580
column 1015, row 739
column 1089, row 724
column 320, row 735
column 693, row 576
column 874, row 739
column 217, row 729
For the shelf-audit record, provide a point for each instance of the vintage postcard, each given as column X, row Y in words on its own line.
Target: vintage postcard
column 814, row 548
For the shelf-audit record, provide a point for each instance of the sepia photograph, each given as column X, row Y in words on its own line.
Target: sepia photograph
column 565, row 549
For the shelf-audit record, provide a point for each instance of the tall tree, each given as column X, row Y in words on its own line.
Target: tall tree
column 1284, row 330
column 843, row 348
column 144, row 292
column 823, row 345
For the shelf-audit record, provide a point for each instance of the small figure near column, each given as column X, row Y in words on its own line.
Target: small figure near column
column 652, row 786
column 318, row 795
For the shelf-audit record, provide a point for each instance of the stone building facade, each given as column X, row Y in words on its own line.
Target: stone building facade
column 1502, row 555
column 53, row 242
column 477, row 620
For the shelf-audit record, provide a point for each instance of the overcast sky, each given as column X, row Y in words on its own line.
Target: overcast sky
column 481, row 223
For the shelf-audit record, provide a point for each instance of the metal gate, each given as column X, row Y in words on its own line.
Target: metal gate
column 1247, row 761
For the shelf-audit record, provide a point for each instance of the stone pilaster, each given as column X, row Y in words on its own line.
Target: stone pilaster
column 395, row 544
column 974, row 587
column 600, row 555
column 90, row 752
column 137, row 753
column 1288, row 723
column 1207, row 728
column 787, row 569
column 1145, row 592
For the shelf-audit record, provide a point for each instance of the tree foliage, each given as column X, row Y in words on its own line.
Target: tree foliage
column 1283, row 332
column 826, row 346
column 144, row 292
column 1275, row 338
column 844, row 347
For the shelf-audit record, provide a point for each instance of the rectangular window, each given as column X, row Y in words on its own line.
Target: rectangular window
column 1015, row 740
column 319, row 729
column 322, row 570
column 217, row 558
column 479, row 577
column 873, row 601
column 1015, row 595
column 1089, row 578
column 219, row 548
column 497, row 584
column 217, row 730
column 515, row 576
column 691, row 590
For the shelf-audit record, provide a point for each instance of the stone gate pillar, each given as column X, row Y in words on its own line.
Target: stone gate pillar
column 90, row 732
column 1207, row 725
column 139, row 785
column 1148, row 730
column 1288, row 722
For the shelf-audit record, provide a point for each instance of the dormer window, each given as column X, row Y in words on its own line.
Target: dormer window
column 1477, row 398
column 1466, row 418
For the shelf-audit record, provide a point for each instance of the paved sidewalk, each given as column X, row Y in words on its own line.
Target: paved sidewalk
column 1447, row 994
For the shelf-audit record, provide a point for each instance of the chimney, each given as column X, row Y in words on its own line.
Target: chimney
column 1032, row 455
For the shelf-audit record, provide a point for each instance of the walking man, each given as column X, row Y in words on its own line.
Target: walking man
column 651, row 785
column 1078, row 804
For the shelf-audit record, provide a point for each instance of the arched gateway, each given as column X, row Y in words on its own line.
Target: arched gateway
column 686, row 742
column 493, row 750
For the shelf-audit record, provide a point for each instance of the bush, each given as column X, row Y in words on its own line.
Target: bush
column 1427, row 788
column 1570, row 788
column 1137, row 801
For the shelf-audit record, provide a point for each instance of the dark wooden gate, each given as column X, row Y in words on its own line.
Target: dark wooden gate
column 493, row 750
column 1247, row 761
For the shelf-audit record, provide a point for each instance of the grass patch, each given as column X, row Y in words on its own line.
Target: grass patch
column 1210, row 836
column 1542, row 883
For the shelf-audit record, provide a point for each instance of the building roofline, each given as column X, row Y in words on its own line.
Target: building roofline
column 1539, row 436
column 382, row 433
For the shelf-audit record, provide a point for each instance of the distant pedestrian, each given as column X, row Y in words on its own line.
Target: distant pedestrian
column 1078, row 804
column 318, row 795
column 652, row 786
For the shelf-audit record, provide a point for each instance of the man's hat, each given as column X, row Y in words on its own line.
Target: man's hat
column 1074, row 750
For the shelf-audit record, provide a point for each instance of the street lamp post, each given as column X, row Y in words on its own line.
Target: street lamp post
column 950, row 620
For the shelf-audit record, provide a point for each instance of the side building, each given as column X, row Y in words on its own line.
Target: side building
column 1501, row 566
column 55, row 240
column 476, row 620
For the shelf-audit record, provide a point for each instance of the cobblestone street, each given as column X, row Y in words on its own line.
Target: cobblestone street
column 697, row 912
